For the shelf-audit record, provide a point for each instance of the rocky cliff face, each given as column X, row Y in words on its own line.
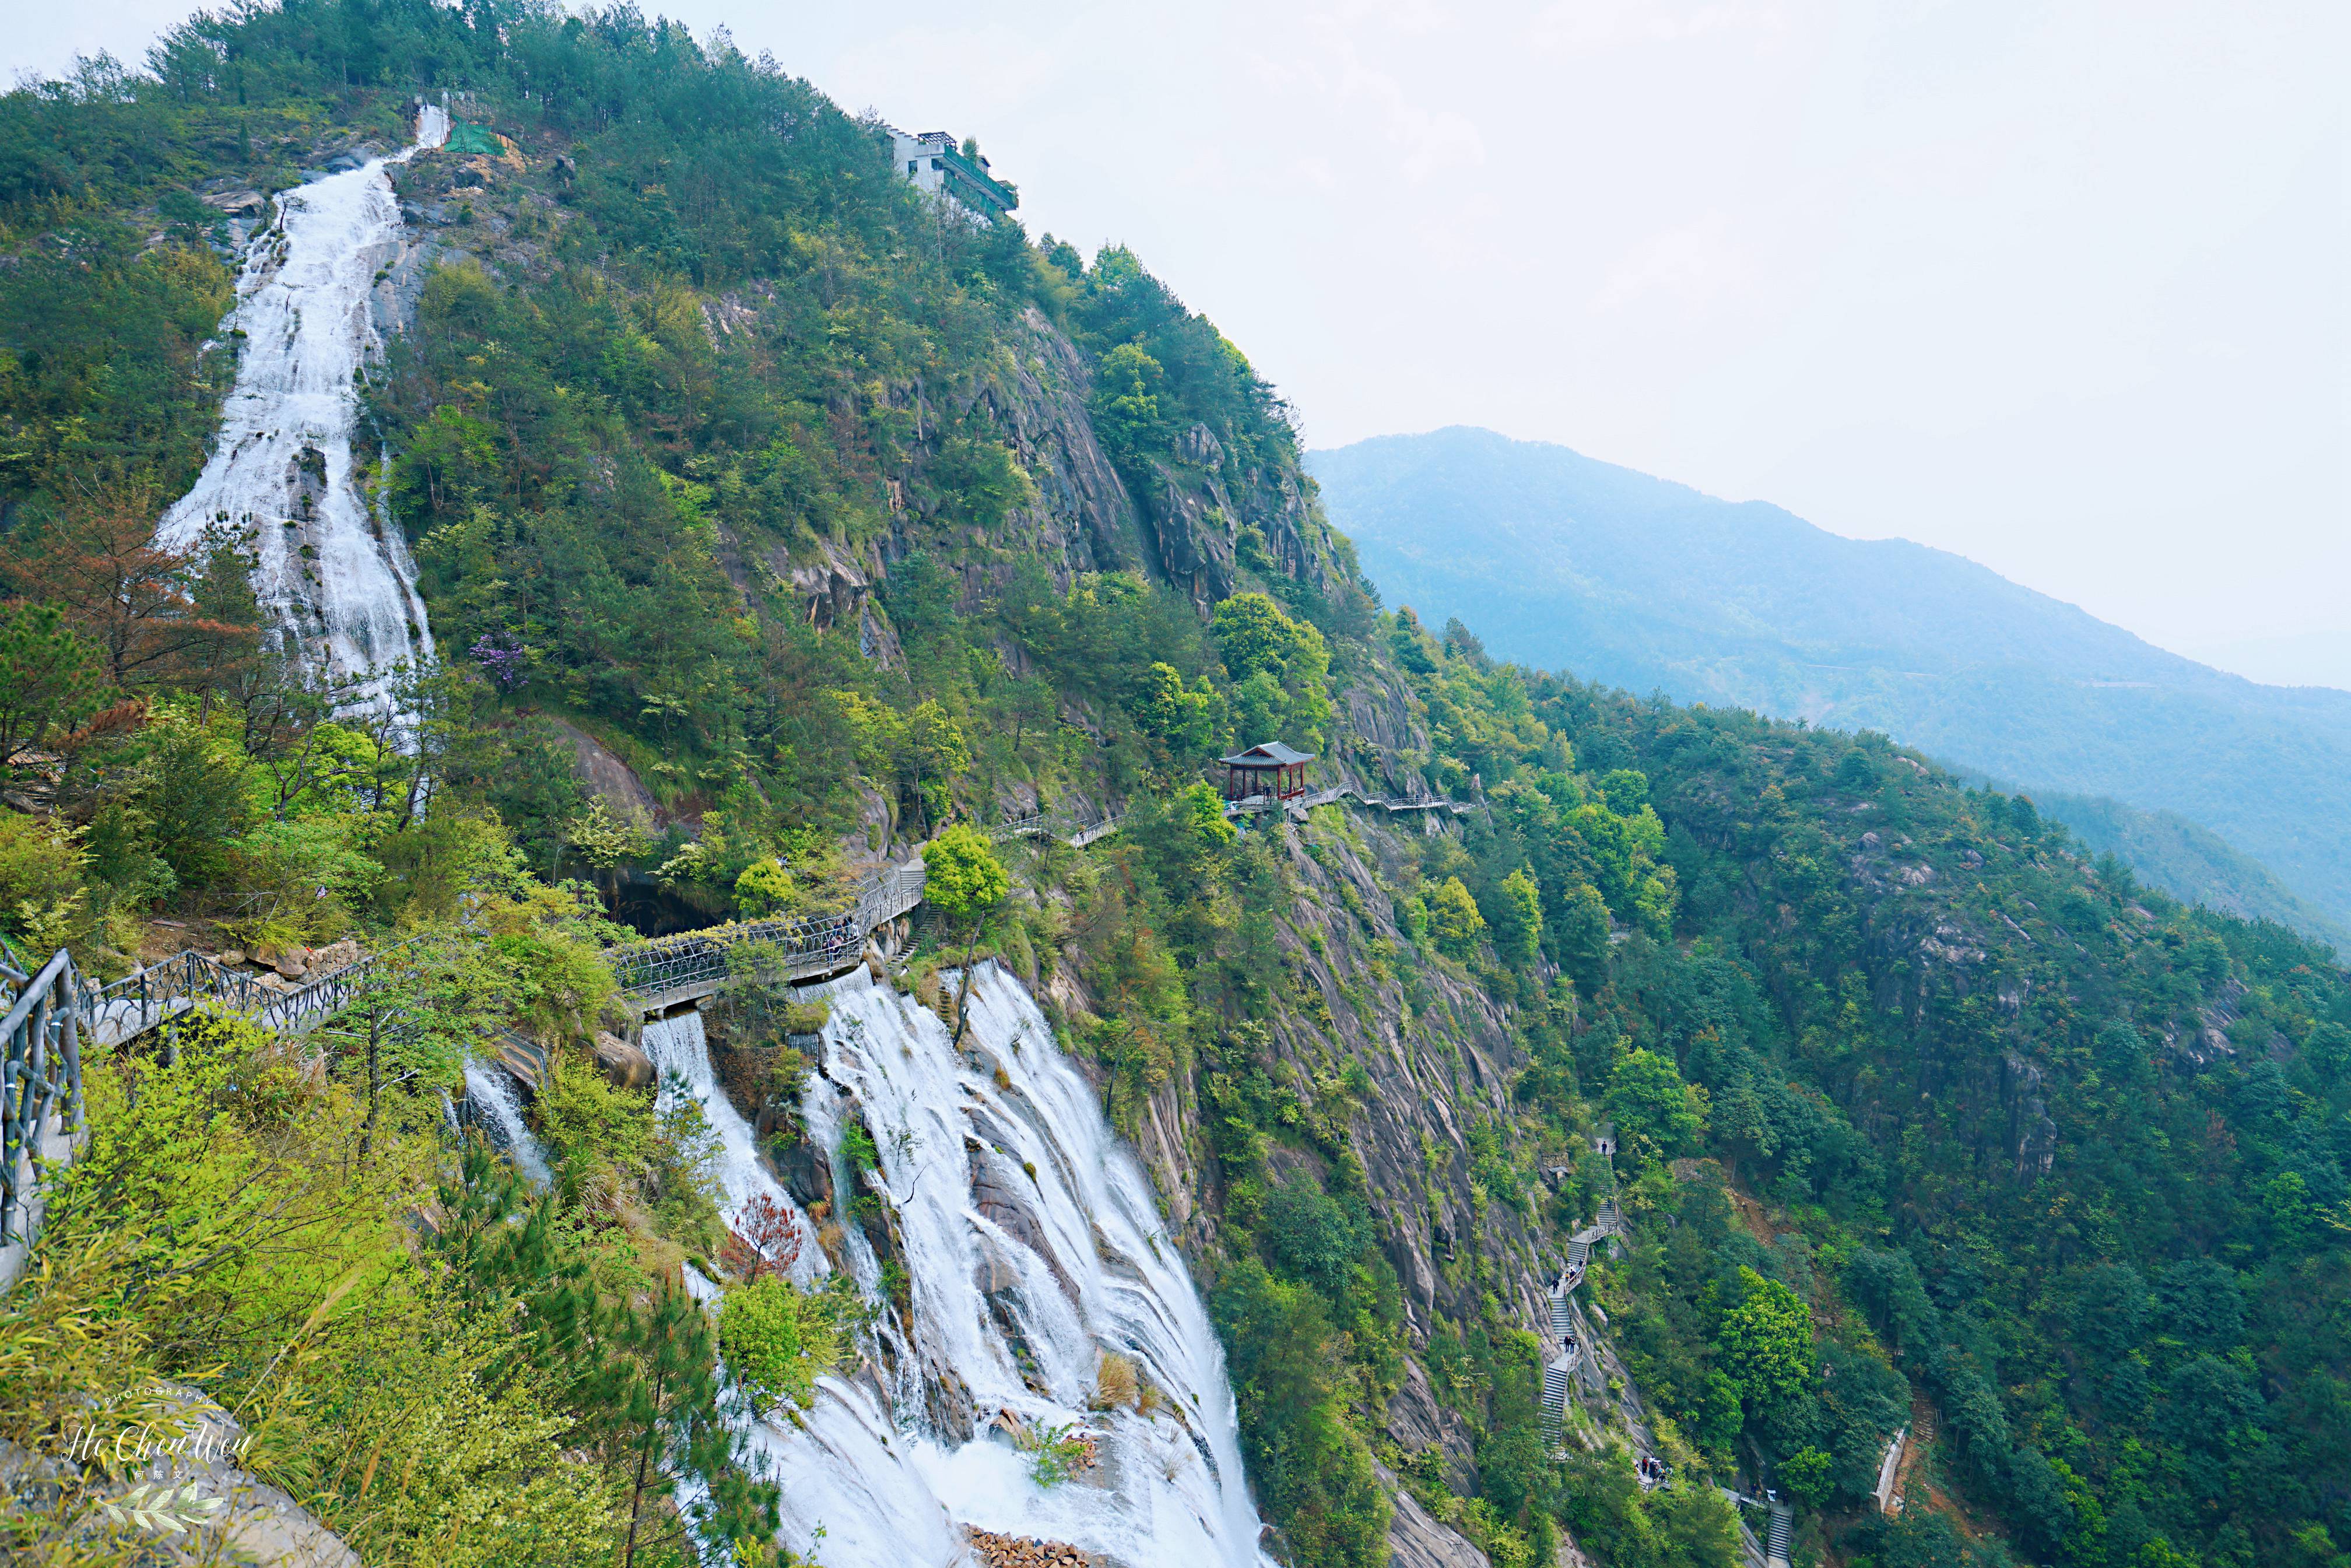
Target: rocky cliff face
column 1441, row 1053
column 1192, row 522
column 1208, row 513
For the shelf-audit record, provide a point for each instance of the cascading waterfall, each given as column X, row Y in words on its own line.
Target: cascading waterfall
column 338, row 588
column 680, row 1052
column 1032, row 1243
column 492, row 1094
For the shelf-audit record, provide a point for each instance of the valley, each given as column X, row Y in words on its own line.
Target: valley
column 847, row 1068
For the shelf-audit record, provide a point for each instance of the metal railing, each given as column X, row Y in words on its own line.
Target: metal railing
column 1057, row 825
column 766, row 949
column 140, row 1000
column 40, row 1090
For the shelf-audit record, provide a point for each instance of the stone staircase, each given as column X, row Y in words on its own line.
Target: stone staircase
column 1775, row 1543
column 1554, row 1398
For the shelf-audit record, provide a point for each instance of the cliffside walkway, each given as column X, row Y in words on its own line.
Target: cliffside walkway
column 665, row 972
column 1299, row 805
column 1890, row 1470
column 1079, row 834
column 1769, row 1552
column 145, row 997
column 1560, row 1370
column 660, row 973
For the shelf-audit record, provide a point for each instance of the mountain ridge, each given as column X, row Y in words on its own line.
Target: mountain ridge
column 1646, row 583
column 833, row 529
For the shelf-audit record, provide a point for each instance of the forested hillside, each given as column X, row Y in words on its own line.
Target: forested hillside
column 1566, row 562
column 777, row 521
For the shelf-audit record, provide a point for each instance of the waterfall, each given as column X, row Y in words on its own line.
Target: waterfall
column 681, row 1054
column 1033, row 1242
column 492, row 1094
column 338, row 587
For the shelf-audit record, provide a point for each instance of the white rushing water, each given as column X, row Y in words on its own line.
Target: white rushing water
column 492, row 1094
column 336, row 581
column 1032, row 1243
column 681, row 1055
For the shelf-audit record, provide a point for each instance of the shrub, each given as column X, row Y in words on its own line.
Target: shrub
column 1056, row 1453
column 41, row 898
column 1116, row 1385
column 583, row 1118
column 765, row 885
column 779, row 1339
column 760, row 1334
column 1307, row 1236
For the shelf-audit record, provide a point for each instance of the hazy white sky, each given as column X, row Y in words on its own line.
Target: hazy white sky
column 2060, row 286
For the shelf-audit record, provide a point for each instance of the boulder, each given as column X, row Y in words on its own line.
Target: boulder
column 623, row 1063
column 219, row 1512
column 806, row 1172
column 291, row 962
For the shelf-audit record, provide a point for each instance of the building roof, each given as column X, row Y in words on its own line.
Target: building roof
column 1267, row 753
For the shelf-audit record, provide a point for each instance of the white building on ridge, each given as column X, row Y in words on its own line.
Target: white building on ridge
column 935, row 163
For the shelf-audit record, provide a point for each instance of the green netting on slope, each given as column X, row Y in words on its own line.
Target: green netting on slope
column 469, row 140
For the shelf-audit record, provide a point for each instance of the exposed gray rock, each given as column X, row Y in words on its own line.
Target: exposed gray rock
column 1417, row 1540
column 256, row 1522
column 605, row 775
column 1418, row 1422
column 624, row 1064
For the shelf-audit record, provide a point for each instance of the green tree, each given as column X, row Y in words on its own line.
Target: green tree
column 604, row 838
column 764, row 887
column 1266, row 651
column 655, row 1385
column 48, row 678
column 1453, row 919
column 1126, row 401
column 1655, row 1111
column 937, row 747
column 1308, row 1463
column 1580, row 936
column 1254, row 634
column 1806, row 1474
column 1765, row 1343
column 1307, row 1236
column 964, row 882
column 1514, row 912
column 1181, row 719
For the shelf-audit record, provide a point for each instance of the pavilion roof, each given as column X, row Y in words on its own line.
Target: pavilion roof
column 1267, row 754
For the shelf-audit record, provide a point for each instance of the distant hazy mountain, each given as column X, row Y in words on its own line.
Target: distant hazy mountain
column 1564, row 562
